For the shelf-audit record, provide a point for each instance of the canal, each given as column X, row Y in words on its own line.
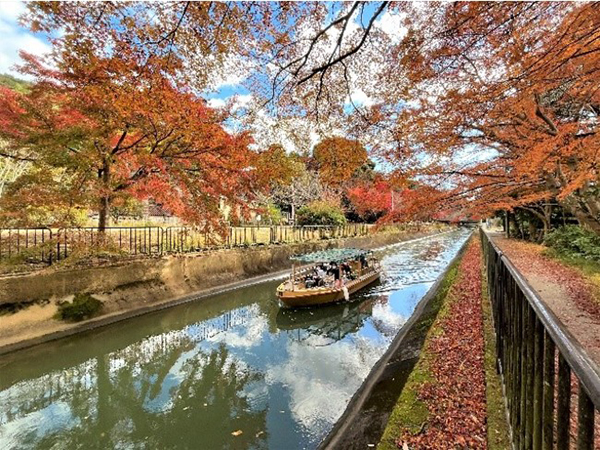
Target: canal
column 230, row 371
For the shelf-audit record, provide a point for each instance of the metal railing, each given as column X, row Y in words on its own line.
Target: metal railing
column 45, row 245
column 538, row 360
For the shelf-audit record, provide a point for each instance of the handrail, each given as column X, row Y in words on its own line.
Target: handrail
column 48, row 245
column 583, row 366
column 528, row 334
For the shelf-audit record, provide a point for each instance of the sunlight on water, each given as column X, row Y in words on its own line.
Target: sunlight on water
column 190, row 376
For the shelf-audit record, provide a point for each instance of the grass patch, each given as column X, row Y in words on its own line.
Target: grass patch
column 575, row 241
column 83, row 306
column 497, row 426
column 410, row 413
column 588, row 267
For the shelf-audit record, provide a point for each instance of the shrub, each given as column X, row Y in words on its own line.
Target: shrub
column 320, row 213
column 271, row 215
column 574, row 241
column 83, row 306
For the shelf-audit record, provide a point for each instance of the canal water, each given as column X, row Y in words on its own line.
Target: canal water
column 233, row 371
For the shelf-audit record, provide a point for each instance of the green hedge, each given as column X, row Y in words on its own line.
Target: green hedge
column 320, row 213
column 575, row 242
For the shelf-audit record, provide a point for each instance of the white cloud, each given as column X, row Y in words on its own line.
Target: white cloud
column 391, row 24
column 11, row 10
column 360, row 98
column 216, row 102
column 15, row 37
column 247, row 337
column 322, row 378
column 241, row 101
column 233, row 70
column 295, row 134
column 235, row 101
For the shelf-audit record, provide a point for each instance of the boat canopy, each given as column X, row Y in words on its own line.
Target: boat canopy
column 334, row 254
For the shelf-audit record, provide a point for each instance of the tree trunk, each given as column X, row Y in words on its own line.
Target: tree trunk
column 584, row 217
column 585, row 210
column 547, row 218
column 532, row 231
column 293, row 205
column 104, row 209
column 105, row 417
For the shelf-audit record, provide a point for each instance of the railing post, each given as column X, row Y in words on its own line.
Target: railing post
column 51, row 249
column 563, row 408
column 585, row 431
column 517, row 365
column 549, row 363
column 538, row 359
column 525, row 375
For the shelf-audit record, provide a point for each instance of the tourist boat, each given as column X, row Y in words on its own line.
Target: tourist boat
column 297, row 291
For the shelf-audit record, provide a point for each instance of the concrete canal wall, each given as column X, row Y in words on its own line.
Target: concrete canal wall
column 170, row 276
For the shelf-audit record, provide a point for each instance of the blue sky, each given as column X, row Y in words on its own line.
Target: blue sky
column 14, row 37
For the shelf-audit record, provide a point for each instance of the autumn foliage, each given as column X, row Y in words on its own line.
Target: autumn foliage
column 487, row 106
column 504, row 103
column 107, row 127
column 338, row 158
column 371, row 200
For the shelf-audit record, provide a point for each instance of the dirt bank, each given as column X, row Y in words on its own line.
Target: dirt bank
column 136, row 287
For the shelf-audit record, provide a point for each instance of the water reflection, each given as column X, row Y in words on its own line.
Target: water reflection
column 168, row 402
column 332, row 322
column 190, row 376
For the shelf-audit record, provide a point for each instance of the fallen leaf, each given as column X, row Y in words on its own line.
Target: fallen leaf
column 455, row 397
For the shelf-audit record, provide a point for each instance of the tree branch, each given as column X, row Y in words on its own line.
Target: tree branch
column 352, row 51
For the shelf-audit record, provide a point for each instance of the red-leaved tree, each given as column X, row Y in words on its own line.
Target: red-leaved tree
column 120, row 126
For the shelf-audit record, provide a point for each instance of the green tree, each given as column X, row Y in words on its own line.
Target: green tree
column 321, row 213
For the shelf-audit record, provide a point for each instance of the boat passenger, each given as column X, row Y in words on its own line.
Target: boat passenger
column 320, row 275
column 349, row 271
column 309, row 282
column 334, row 269
column 346, row 268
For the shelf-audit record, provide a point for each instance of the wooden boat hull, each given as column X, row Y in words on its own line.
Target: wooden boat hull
column 319, row 296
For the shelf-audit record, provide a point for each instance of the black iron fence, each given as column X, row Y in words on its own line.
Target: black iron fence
column 541, row 364
column 45, row 245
